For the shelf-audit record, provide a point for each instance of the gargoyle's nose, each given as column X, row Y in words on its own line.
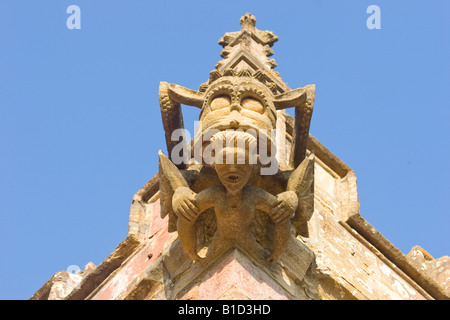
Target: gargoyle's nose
column 235, row 116
column 235, row 106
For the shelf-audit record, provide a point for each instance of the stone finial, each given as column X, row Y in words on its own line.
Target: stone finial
column 248, row 22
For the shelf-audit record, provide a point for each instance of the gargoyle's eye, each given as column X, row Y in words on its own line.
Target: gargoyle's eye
column 252, row 104
column 220, row 102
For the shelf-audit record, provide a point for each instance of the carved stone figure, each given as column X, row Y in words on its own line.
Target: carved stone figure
column 234, row 202
column 218, row 204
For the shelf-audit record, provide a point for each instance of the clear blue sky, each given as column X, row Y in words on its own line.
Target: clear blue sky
column 80, row 125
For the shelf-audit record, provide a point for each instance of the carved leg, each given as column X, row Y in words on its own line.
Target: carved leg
column 281, row 236
column 186, row 233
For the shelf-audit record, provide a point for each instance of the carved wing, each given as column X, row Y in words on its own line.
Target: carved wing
column 170, row 178
column 301, row 182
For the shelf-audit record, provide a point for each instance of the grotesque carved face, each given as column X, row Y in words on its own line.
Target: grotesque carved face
column 237, row 103
column 233, row 176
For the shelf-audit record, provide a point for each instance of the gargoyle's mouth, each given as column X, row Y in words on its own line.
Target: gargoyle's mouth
column 232, row 178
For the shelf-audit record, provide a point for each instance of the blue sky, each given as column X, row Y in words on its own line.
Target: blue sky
column 80, row 125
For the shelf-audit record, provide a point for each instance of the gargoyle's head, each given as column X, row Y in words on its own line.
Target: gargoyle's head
column 234, row 102
column 237, row 103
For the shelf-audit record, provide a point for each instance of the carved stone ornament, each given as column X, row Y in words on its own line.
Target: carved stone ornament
column 214, row 188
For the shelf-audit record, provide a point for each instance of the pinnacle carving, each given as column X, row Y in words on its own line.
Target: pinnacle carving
column 250, row 49
column 248, row 27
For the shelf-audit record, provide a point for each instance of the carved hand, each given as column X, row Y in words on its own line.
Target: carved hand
column 285, row 207
column 184, row 204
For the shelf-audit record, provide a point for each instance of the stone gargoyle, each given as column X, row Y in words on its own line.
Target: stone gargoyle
column 218, row 205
